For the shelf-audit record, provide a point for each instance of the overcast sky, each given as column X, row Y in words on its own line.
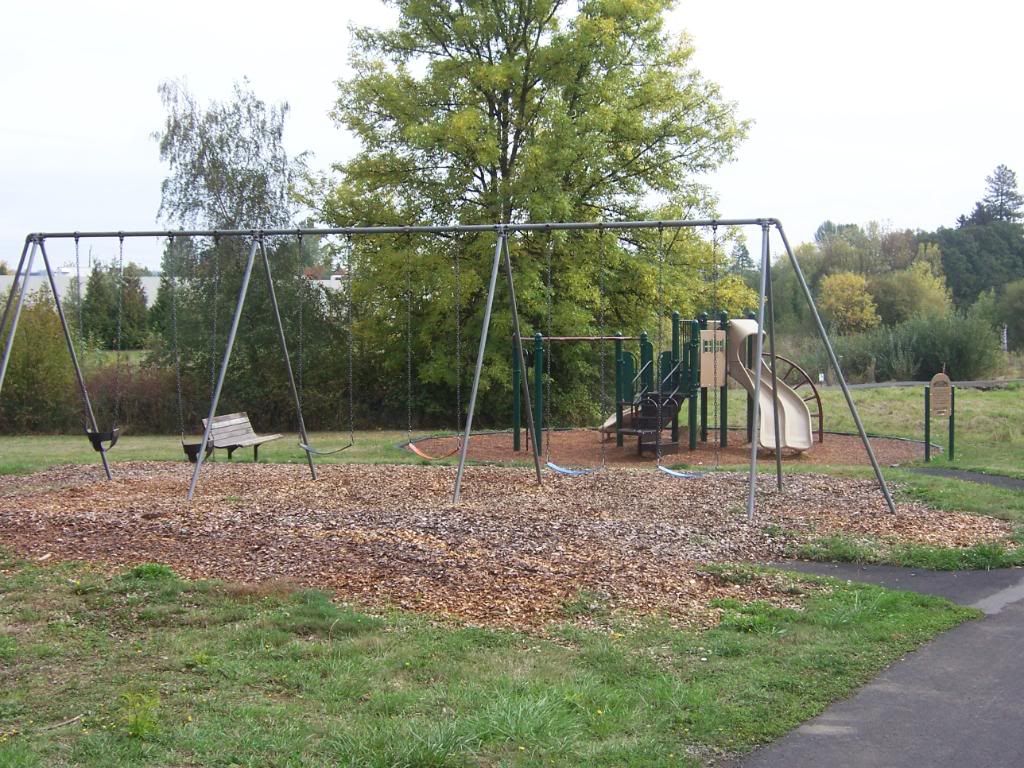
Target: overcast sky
column 886, row 111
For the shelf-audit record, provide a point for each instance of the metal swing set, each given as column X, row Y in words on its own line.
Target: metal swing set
column 501, row 261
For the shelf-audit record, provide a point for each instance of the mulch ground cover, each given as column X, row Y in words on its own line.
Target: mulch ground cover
column 511, row 554
column 582, row 447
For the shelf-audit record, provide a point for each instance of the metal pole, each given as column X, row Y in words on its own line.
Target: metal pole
column 479, row 366
column 927, row 424
column 74, row 358
column 952, row 420
column 775, row 378
column 538, row 391
column 223, row 367
column 755, row 426
column 17, row 310
column 506, row 229
column 519, row 354
column 14, row 285
column 287, row 359
column 835, row 366
column 517, row 401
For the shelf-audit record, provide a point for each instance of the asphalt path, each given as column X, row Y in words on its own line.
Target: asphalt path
column 956, row 701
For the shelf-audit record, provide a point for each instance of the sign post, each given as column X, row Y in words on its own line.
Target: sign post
column 939, row 400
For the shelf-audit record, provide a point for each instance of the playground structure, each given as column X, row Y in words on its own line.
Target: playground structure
column 36, row 242
column 645, row 409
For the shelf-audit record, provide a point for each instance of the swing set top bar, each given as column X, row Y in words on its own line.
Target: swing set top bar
column 585, row 338
column 411, row 230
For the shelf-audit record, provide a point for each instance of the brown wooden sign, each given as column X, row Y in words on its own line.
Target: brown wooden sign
column 941, row 396
column 712, row 358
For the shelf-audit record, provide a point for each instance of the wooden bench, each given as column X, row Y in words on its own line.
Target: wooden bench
column 233, row 431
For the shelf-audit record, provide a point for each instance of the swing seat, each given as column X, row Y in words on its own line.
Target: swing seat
column 317, row 452
column 192, row 450
column 99, row 438
column 570, row 471
column 424, row 455
column 682, row 474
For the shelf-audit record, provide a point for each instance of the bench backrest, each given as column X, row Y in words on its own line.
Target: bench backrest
column 230, row 428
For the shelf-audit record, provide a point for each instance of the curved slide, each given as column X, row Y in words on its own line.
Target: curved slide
column 794, row 417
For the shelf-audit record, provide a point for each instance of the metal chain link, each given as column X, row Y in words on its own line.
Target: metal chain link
column 176, row 348
column 602, row 343
column 120, row 315
column 351, row 340
column 301, row 367
column 216, row 303
column 458, row 344
column 656, row 357
column 550, row 245
column 717, row 319
column 408, row 344
column 78, row 294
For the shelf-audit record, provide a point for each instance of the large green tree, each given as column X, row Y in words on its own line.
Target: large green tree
column 531, row 110
column 228, row 169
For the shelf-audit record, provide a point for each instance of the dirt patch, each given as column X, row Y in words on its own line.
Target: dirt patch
column 583, row 448
column 512, row 554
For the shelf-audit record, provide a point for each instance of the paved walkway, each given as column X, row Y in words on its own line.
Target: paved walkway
column 999, row 481
column 954, row 702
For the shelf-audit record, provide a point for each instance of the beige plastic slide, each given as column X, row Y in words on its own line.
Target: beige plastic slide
column 794, row 416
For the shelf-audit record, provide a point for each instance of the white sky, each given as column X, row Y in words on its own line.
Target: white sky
column 892, row 111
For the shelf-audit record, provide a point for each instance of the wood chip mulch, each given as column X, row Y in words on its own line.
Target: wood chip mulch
column 511, row 554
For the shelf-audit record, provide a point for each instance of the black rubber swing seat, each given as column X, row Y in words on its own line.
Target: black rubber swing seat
column 192, row 450
column 321, row 452
column 99, row 438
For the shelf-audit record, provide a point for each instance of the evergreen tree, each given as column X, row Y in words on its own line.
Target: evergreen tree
column 1002, row 201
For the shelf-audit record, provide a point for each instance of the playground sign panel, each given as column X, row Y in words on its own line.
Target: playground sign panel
column 712, row 358
column 941, row 394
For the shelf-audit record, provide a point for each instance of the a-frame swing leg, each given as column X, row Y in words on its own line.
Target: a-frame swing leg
column 242, row 292
column 531, row 424
column 74, row 360
column 835, row 366
column 287, row 358
column 17, row 303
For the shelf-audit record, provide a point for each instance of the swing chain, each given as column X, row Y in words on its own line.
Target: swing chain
column 351, row 339
column 175, row 345
column 717, row 317
column 300, row 351
column 458, row 344
column 602, row 342
column 118, row 344
column 549, row 248
column 656, row 358
column 408, row 344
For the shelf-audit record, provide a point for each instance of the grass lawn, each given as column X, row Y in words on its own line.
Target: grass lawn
column 28, row 453
column 989, row 425
column 146, row 669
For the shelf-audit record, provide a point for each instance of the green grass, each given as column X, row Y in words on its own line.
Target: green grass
column 148, row 669
column 20, row 454
column 989, row 427
column 840, row 548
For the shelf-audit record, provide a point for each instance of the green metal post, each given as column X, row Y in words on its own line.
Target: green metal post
column 927, row 424
column 676, row 350
column 694, row 382
column 620, row 386
column 702, row 318
column 517, row 415
column 646, row 363
column 750, row 397
column 723, row 419
column 538, row 389
column 952, row 419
